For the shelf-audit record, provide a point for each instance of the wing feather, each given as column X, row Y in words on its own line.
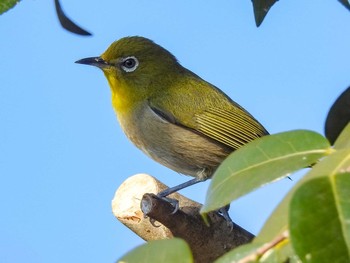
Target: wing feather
column 204, row 109
column 233, row 128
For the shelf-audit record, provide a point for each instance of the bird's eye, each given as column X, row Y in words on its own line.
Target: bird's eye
column 129, row 64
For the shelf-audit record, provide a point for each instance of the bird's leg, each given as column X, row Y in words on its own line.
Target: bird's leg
column 223, row 210
column 176, row 188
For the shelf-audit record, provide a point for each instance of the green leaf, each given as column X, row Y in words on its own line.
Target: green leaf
column 343, row 140
column 280, row 254
column 337, row 162
column 238, row 253
column 170, row 250
column 320, row 219
column 261, row 7
column 263, row 161
column 6, row 5
column 262, row 253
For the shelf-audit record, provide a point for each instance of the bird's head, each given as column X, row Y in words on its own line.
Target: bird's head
column 136, row 68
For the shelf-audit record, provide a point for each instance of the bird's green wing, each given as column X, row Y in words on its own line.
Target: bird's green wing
column 232, row 126
column 203, row 108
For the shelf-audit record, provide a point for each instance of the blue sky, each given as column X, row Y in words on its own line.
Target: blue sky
column 62, row 152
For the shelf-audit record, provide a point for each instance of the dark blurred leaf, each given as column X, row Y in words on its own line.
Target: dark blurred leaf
column 338, row 116
column 67, row 23
column 261, row 7
column 6, row 5
column 345, row 3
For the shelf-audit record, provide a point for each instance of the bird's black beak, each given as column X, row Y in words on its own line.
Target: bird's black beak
column 94, row 61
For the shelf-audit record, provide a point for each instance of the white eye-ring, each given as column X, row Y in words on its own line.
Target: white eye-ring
column 129, row 64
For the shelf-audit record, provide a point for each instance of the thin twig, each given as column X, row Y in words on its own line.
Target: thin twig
column 264, row 248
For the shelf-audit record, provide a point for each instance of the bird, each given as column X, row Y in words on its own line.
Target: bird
column 171, row 114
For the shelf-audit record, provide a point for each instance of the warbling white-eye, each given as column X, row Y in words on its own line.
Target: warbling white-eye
column 170, row 113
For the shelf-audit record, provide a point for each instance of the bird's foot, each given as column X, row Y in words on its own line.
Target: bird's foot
column 223, row 211
column 153, row 222
column 173, row 202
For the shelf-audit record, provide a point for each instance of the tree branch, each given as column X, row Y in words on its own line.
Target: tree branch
column 207, row 242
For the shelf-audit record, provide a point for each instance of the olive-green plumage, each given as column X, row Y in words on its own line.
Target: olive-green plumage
column 171, row 114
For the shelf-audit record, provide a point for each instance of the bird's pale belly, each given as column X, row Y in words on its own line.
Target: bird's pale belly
column 176, row 147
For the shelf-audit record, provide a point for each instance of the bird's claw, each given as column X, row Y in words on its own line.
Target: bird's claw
column 153, row 222
column 173, row 202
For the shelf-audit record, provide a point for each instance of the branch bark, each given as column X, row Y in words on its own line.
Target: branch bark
column 207, row 242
